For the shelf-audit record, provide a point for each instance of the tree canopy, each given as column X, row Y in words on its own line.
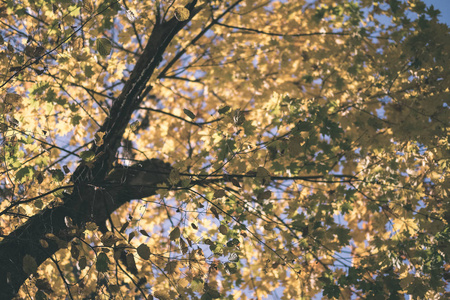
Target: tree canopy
column 242, row 149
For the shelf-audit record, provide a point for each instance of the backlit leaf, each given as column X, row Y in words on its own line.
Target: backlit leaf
column 98, row 138
column 318, row 157
column 87, row 156
column 182, row 14
column 130, row 16
column 104, row 46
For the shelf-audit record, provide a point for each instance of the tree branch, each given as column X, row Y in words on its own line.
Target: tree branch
column 89, row 201
column 194, row 40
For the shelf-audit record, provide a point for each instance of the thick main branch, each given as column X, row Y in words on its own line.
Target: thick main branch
column 92, row 198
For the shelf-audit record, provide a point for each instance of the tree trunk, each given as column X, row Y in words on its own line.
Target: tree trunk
column 93, row 198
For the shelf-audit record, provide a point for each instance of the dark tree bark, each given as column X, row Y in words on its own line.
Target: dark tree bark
column 94, row 196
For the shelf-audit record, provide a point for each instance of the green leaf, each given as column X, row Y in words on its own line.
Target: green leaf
column 171, row 267
column 58, row 193
column 38, row 204
column 262, row 175
column 318, row 16
column 225, row 147
column 231, row 267
column 29, row 264
column 87, row 156
column 131, row 263
column 433, row 13
column 75, row 120
column 211, row 294
column 233, row 242
column 219, row 194
column 135, row 126
column 264, row 195
column 294, row 145
column 144, row 251
column 24, row 173
column 102, row 262
column 185, row 182
column 174, row 176
column 197, row 284
column 103, row 46
column 308, row 78
column 40, row 295
column 303, row 126
column 82, row 263
column 224, row 109
column 375, row 123
column 189, row 113
column 339, row 83
column 343, row 235
column 57, row 175
column 175, row 233
column 223, row 229
column 331, row 291
column 249, row 129
column 144, row 232
column 346, row 207
column 88, row 71
column 394, row 4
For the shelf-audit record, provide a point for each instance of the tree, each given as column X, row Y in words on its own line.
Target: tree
column 224, row 149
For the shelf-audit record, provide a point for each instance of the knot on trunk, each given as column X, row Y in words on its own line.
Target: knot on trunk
column 140, row 179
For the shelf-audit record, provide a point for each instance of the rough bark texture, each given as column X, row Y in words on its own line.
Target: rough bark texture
column 94, row 196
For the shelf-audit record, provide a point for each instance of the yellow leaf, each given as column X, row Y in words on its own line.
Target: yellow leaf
column 91, row 226
column 43, row 243
column 182, row 14
column 98, row 138
column 183, row 282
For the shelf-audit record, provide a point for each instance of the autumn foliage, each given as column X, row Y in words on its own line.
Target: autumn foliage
column 244, row 149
